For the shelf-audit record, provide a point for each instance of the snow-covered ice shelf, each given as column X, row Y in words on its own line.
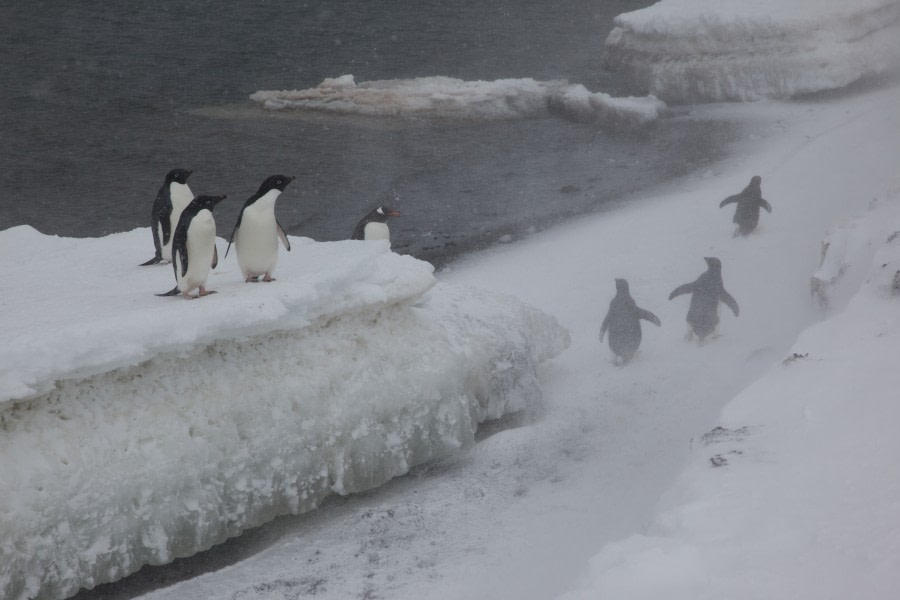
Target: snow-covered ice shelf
column 691, row 50
column 136, row 429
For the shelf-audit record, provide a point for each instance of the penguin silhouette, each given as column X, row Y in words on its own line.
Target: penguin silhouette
column 706, row 293
column 623, row 321
column 749, row 201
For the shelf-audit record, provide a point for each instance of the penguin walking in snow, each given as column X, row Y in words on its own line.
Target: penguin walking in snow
column 374, row 225
column 256, row 233
column 749, row 201
column 194, row 247
column 172, row 198
column 706, row 293
column 623, row 321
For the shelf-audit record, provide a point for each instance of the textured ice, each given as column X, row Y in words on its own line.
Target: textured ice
column 693, row 50
column 156, row 427
column 445, row 97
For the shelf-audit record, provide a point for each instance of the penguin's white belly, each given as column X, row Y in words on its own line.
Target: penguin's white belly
column 376, row 231
column 257, row 242
column 181, row 196
column 201, row 245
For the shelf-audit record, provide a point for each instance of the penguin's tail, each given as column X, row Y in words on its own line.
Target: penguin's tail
column 152, row 261
column 173, row 292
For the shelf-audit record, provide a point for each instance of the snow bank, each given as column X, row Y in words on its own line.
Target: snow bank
column 157, row 427
column 794, row 494
column 692, row 50
column 449, row 98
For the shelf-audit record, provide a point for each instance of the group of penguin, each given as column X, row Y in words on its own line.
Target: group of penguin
column 623, row 320
column 184, row 232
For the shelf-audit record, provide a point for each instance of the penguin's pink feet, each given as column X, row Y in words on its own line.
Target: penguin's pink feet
column 187, row 296
column 252, row 279
column 205, row 292
column 268, row 278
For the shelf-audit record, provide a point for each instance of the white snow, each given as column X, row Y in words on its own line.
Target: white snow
column 446, row 97
column 136, row 429
column 695, row 50
column 619, row 465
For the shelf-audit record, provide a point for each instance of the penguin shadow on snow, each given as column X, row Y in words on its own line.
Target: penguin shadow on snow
column 707, row 291
column 623, row 323
column 749, row 202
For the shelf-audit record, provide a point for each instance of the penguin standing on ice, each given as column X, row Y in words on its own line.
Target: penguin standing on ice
column 706, row 293
column 623, row 321
column 374, row 225
column 172, row 198
column 194, row 247
column 749, row 201
column 256, row 233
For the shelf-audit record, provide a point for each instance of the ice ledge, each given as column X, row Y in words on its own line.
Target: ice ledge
column 684, row 51
column 78, row 307
column 148, row 462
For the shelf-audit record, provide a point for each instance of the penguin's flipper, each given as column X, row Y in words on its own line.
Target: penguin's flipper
column 765, row 205
column 234, row 233
column 604, row 327
column 729, row 300
column 359, row 231
column 283, row 236
column 648, row 316
column 730, row 200
column 153, row 261
column 173, row 292
column 180, row 257
column 215, row 260
column 165, row 222
column 687, row 288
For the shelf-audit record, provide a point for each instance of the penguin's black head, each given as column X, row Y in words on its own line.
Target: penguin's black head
column 208, row 202
column 178, row 176
column 621, row 286
column 756, row 180
column 275, row 182
column 383, row 213
column 713, row 263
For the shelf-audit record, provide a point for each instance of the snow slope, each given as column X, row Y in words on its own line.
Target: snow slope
column 695, row 51
column 137, row 429
column 449, row 98
column 517, row 515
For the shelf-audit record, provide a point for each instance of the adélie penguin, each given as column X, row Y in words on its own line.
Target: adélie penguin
column 706, row 293
column 623, row 321
column 256, row 233
column 749, row 201
column 194, row 247
column 374, row 225
column 173, row 196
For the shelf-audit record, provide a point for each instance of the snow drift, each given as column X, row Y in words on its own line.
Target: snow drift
column 793, row 494
column 688, row 50
column 156, row 427
column 448, row 98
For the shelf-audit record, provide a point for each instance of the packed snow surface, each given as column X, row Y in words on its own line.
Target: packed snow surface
column 692, row 50
column 445, row 97
column 137, row 429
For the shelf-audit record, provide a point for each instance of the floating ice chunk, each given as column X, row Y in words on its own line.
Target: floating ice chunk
column 445, row 97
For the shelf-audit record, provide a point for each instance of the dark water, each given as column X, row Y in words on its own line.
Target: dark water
column 98, row 100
